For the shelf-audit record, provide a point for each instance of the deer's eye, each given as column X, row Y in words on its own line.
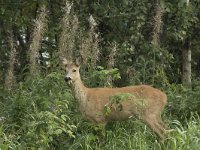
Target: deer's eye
column 74, row 70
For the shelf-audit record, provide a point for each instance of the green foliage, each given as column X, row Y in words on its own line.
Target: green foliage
column 116, row 100
column 38, row 113
column 183, row 101
column 119, row 97
column 154, row 64
column 185, row 137
column 99, row 76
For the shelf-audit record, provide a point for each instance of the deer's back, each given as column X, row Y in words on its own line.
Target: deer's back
column 140, row 98
column 140, row 91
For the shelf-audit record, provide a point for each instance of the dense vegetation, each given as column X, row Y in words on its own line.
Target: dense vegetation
column 122, row 43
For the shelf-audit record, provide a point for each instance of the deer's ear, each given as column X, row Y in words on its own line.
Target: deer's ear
column 65, row 62
column 79, row 61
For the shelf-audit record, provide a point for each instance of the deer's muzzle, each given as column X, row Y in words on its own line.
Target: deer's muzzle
column 67, row 79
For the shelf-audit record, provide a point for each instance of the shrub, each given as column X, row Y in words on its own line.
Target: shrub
column 182, row 101
column 37, row 113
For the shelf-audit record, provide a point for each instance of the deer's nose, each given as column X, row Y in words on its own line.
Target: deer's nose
column 67, row 79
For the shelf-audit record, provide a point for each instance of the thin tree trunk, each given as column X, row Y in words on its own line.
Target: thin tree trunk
column 198, row 68
column 186, row 64
column 186, row 61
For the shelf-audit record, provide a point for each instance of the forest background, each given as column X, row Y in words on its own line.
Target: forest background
column 122, row 42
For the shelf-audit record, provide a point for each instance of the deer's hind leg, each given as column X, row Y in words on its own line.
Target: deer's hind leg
column 153, row 120
column 154, row 125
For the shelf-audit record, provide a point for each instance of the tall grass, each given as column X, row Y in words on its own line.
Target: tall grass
column 89, row 46
column 69, row 25
column 185, row 137
column 37, row 35
column 42, row 114
column 10, row 77
column 111, row 63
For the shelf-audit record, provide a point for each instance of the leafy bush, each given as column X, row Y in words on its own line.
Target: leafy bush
column 99, row 77
column 182, row 101
column 37, row 113
column 40, row 114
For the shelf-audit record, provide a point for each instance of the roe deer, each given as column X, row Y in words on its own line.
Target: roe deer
column 142, row 101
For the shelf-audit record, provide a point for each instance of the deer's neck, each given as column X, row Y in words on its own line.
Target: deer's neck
column 80, row 91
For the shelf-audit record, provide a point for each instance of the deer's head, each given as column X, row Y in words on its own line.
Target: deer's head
column 72, row 70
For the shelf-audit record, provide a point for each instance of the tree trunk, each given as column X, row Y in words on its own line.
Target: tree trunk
column 198, row 68
column 186, row 64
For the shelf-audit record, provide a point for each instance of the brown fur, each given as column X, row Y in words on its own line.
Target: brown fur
column 92, row 102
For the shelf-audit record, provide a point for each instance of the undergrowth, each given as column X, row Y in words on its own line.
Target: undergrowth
column 41, row 113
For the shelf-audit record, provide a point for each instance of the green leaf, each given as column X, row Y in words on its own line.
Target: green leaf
column 58, row 131
column 3, row 147
column 63, row 117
